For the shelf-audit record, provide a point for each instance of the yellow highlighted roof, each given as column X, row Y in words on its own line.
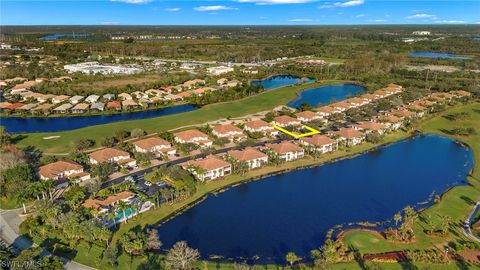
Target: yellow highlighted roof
column 295, row 135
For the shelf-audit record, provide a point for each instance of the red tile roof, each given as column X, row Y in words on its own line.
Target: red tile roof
column 51, row 170
column 318, row 140
column 284, row 147
column 209, row 163
column 246, row 154
column 107, row 154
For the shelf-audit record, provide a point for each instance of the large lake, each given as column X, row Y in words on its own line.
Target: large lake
column 53, row 124
column 326, row 94
column 293, row 211
column 281, row 80
column 438, row 55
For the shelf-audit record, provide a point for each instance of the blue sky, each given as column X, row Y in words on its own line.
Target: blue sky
column 237, row 12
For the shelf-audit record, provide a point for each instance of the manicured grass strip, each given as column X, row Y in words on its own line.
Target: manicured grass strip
column 257, row 103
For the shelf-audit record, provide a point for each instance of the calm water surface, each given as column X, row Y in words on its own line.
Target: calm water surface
column 53, row 124
column 438, row 55
column 281, row 80
column 326, row 94
column 293, row 211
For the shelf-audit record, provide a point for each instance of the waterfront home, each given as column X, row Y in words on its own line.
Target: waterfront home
column 14, row 106
column 368, row 97
column 192, row 136
column 28, row 107
column 129, row 104
column 92, row 98
column 104, row 205
column 229, row 131
column 253, row 157
column 326, row 111
column 201, row 91
column 76, row 99
column 116, row 105
column 350, row 136
column 260, row 126
column 45, row 108
column 369, row 126
column 391, row 121
column 286, row 150
column 32, row 96
column 80, row 108
column 112, row 155
column 233, row 83
column 159, row 147
column 59, row 99
column 209, row 168
column 125, row 96
column 4, row 105
column 172, row 97
column 308, row 116
column 286, row 121
column 108, row 97
column 64, row 108
column 62, row 170
column 319, row 143
column 97, row 107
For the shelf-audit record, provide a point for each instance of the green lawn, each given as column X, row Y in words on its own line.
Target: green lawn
column 456, row 203
column 261, row 102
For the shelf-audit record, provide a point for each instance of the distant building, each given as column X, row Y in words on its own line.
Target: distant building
column 95, row 67
column 219, row 70
column 421, row 33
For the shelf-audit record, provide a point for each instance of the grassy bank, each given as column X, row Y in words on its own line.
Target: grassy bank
column 261, row 102
column 456, row 203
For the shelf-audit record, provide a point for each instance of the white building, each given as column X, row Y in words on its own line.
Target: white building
column 219, row 70
column 95, row 67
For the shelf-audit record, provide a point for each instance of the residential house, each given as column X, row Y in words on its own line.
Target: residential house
column 219, row 70
column 392, row 122
column 193, row 83
column 286, row 121
column 125, row 96
column 369, row 126
column 308, row 116
column 154, row 145
column 80, row 108
column 116, row 105
column 404, row 114
column 64, row 108
column 319, row 143
column 92, row 98
column 97, row 107
column 351, row 136
column 76, row 99
column 230, row 132
column 129, row 104
column 62, row 170
column 326, row 111
column 112, row 155
column 341, row 106
column 286, row 150
column 108, row 97
column 260, row 126
column 356, row 102
column 104, row 206
column 60, row 99
column 44, row 108
column 139, row 94
column 209, row 168
column 193, row 136
column 253, row 157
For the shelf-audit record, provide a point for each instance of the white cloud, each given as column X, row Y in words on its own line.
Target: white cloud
column 421, row 16
column 350, row 3
column 300, row 20
column 276, row 2
column 172, row 9
column 377, row 20
column 133, row 1
column 110, row 23
column 449, row 21
column 213, row 8
column 360, row 16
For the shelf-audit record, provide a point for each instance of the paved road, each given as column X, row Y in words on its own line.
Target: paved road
column 468, row 224
column 9, row 232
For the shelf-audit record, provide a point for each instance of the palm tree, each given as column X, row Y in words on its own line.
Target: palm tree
column 397, row 218
column 292, row 258
column 123, row 206
column 112, row 216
